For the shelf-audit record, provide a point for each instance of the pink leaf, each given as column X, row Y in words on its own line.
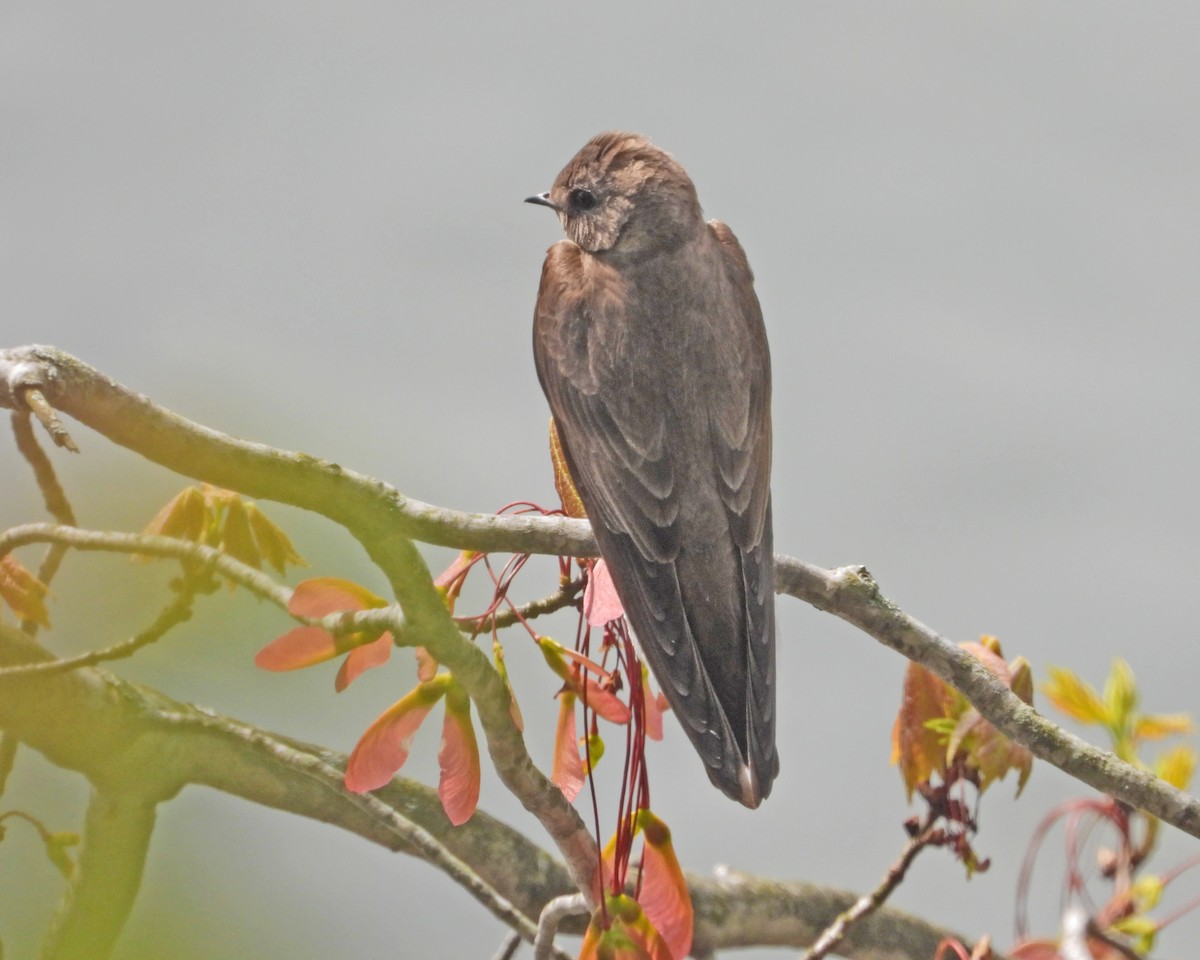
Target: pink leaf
column 321, row 595
column 654, row 708
column 606, row 703
column 664, row 893
column 567, row 772
column 600, row 601
column 426, row 665
column 450, row 581
column 298, row 648
column 383, row 749
column 586, row 662
column 361, row 659
column 458, row 756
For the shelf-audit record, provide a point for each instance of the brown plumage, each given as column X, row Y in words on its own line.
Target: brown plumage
column 650, row 347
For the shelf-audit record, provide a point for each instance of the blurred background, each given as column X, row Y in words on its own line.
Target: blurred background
column 974, row 230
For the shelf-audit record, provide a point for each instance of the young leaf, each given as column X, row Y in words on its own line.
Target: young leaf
column 458, row 756
column 988, row 751
column 514, row 710
column 601, row 604
column 567, row 772
column 361, row 659
column 1074, row 697
column 606, row 703
column 593, row 745
column 427, row 667
column 319, row 596
column 917, row 749
column 1120, row 693
column 601, row 699
column 450, row 581
column 56, row 851
column 298, row 648
column 183, row 517
column 23, row 592
column 1176, row 766
column 1156, row 726
column 655, row 706
column 629, row 935
column 630, row 920
column 236, row 538
column 272, row 541
column 382, row 750
column 664, row 893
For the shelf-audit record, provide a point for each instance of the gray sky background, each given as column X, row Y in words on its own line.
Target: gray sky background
column 974, row 228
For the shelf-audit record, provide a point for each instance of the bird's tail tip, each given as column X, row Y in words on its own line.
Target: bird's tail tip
column 753, row 790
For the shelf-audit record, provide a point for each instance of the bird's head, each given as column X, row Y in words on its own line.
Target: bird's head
column 621, row 194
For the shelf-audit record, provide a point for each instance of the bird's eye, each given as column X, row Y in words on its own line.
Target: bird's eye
column 582, row 199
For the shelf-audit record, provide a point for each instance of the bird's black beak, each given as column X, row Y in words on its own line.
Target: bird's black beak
column 543, row 200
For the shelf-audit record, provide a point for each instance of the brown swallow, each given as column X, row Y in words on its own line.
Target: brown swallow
column 650, row 347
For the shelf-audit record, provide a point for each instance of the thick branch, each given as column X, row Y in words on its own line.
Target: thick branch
column 383, row 520
column 97, row 903
column 374, row 511
column 851, row 593
column 378, row 516
column 113, row 732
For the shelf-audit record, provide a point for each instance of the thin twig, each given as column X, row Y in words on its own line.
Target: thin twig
column 870, row 902
column 176, row 612
column 47, row 417
column 567, row 594
column 552, row 915
column 53, row 496
column 508, row 948
column 201, row 560
column 105, row 541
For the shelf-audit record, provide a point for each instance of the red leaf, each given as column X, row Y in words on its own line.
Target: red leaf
column 628, row 937
column 458, row 756
column 606, row 703
column 383, row 749
column 664, row 893
column 361, row 659
column 574, row 655
column 298, row 648
column 600, row 601
column 450, row 581
column 567, row 772
column 426, row 665
column 321, row 595
column 917, row 749
column 654, row 708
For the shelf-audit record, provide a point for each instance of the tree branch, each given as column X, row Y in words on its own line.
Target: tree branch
column 98, row 901
column 372, row 511
column 377, row 515
column 112, row 732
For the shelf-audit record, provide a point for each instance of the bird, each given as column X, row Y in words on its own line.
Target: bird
column 650, row 347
